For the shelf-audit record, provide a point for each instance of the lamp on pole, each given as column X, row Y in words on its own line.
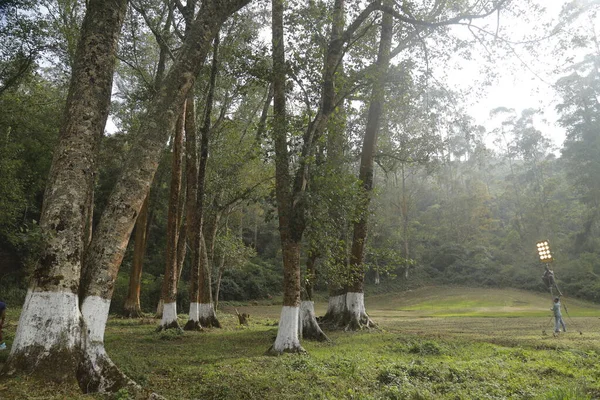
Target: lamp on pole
column 543, row 248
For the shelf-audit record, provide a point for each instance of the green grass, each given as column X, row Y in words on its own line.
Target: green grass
column 433, row 343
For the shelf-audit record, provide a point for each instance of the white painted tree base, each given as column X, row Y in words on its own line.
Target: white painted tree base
column 97, row 372
column 206, row 310
column 348, row 312
column 335, row 305
column 287, row 340
column 356, row 314
column 169, row 317
column 308, row 327
column 58, row 313
column 207, row 315
column 194, row 313
column 95, row 314
column 159, row 309
column 355, row 304
column 193, row 323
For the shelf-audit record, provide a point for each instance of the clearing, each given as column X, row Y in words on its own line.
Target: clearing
column 433, row 343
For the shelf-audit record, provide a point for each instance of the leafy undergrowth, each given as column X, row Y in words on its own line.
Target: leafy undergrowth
column 407, row 358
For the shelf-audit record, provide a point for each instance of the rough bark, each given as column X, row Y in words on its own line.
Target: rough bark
column 181, row 250
column 48, row 340
column 169, row 284
column 211, row 226
column 159, row 309
column 132, row 308
column 219, row 277
column 206, row 311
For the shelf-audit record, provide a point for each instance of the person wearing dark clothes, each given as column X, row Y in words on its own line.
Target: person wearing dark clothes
column 2, row 318
column 548, row 277
column 550, row 281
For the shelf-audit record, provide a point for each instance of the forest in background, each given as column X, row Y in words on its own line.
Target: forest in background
column 450, row 206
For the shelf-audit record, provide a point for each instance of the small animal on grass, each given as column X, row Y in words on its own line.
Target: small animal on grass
column 243, row 318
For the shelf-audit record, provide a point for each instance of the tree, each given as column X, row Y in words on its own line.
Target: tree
column 355, row 313
column 169, row 287
column 132, row 306
column 206, row 309
column 287, row 208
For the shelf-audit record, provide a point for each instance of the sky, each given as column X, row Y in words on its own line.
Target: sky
column 518, row 86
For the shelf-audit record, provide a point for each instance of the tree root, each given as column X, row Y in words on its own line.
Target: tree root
column 97, row 373
column 210, row 322
column 309, row 327
column 170, row 325
column 192, row 325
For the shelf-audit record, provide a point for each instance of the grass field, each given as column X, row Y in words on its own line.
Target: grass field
column 432, row 343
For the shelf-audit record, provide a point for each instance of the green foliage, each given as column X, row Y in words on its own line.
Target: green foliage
column 426, row 348
column 29, row 123
column 255, row 280
column 23, row 37
column 171, row 334
column 122, row 394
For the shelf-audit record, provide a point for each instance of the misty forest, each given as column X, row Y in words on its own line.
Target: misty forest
column 320, row 199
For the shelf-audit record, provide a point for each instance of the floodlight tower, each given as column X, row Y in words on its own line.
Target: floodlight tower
column 543, row 248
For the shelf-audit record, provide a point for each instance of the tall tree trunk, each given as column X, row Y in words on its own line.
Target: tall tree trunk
column 206, row 310
column 405, row 222
column 221, row 266
column 169, row 285
column 333, row 74
column 191, row 167
column 49, row 337
column 211, row 227
column 181, row 250
column 356, row 313
column 332, row 78
column 219, row 277
column 287, row 339
column 132, row 308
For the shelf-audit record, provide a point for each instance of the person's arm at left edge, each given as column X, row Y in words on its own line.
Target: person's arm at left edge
column 2, row 314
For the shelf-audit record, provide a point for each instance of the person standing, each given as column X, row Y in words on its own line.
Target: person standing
column 558, row 321
column 2, row 318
